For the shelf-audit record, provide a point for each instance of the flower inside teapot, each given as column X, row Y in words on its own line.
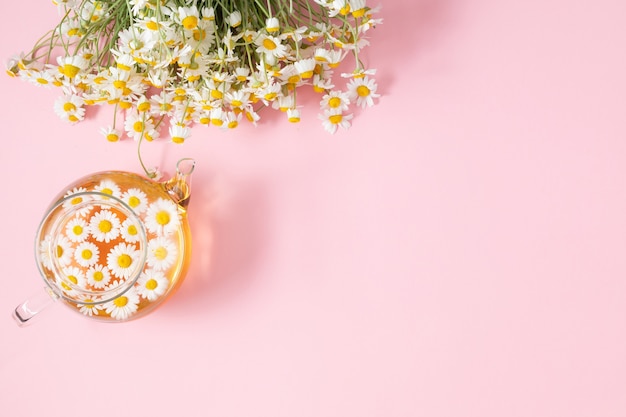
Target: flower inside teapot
column 113, row 245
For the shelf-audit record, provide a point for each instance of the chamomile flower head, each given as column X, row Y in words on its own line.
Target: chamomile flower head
column 135, row 199
column 62, row 250
column 337, row 100
column 272, row 25
column 111, row 134
column 76, row 198
column 71, row 66
column 104, row 226
column 77, row 230
column 90, row 305
column 152, row 284
column 86, row 254
column 44, row 254
column 69, row 107
column 293, row 115
column 123, row 260
column 41, row 78
column 234, row 19
column 109, row 187
column 130, row 231
column 363, row 91
column 334, row 118
column 270, row 46
column 124, row 306
column 179, row 132
column 73, row 280
column 98, row 276
column 162, row 217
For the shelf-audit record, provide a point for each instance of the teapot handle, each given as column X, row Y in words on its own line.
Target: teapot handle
column 24, row 312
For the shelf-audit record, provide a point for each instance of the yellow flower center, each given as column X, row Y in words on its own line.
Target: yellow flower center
column 112, row 137
column 177, row 139
column 42, row 81
column 59, row 251
column 72, row 118
column 363, row 91
column 160, row 253
column 269, row 44
column 119, row 84
column 124, row 260
column 334, row 102
column 69, row 107
column 233, row 124
column 69, row 70
column 134, row 201
column 107, row 191
column 162, row 217
column 105, row 226
column 217, row 94
column 190, row 22
column 86, row 254
column 121, row 301
column 335, row 118
column 98, row 276
column 151, row 284
column 132, row 230
column 72, row 279
column 77, row 230
column 76, row 200
column 138, row 126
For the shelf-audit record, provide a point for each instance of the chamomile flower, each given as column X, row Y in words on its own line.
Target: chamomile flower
column 71, row 66
column 152, row 284
column 43, row 252
column 109, row 187
column 162, row 217
column 77, row 230
column 40, row 78
column 130, row 231
column 98, row 276
column 73, row 280
column 75, row 198
column 305, row 67
column 136, row 199
column 124, row 306
column 123, row 260
column 270, row 46
column 234, row 19
column 162, row 253
column 90, row 305
column 337, row 100
column 86, row 254
column 179, row 132
column 62, row 250
column 363, row 91
column 69, row 107
column 272, row 25
column 293, row 115
column 104, row 226
column 334, row 118
column 110, row 133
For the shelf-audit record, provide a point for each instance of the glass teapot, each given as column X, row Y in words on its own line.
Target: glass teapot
column 113, row 245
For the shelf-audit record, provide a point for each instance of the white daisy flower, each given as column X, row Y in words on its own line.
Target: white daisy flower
column 110, row 133
column 70, row 66
column 179, row 132
column 337, row 100
column 162, row 253
column 333, row 118
column 152, row 284
column 272, row 24
column 123, row 306
column 44, row 252
column 162, row 217
column 234, row 19
column 363, row 91
column 136, row 199
column 305, row 67
column 73, row 282
column 77, row 230
column 86, row 254
column 270, row 46
column 104, row 226
column 293, row 115
column 69, row 107
column 98, row 276
column 70, row 203
column 109, row 187
column 90, row 306
column 63, row 250
column 130, row 231
column 122, row 260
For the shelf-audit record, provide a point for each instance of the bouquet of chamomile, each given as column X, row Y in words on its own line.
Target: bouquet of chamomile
column 165, row 66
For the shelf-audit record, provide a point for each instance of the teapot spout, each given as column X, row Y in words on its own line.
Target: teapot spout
column 179, row 186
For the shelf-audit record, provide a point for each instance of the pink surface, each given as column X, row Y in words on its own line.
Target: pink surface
column 458, row 252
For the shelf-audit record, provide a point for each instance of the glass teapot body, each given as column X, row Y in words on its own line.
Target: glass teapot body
column 113, row 246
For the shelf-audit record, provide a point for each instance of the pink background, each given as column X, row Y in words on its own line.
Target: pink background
column 460, row 251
